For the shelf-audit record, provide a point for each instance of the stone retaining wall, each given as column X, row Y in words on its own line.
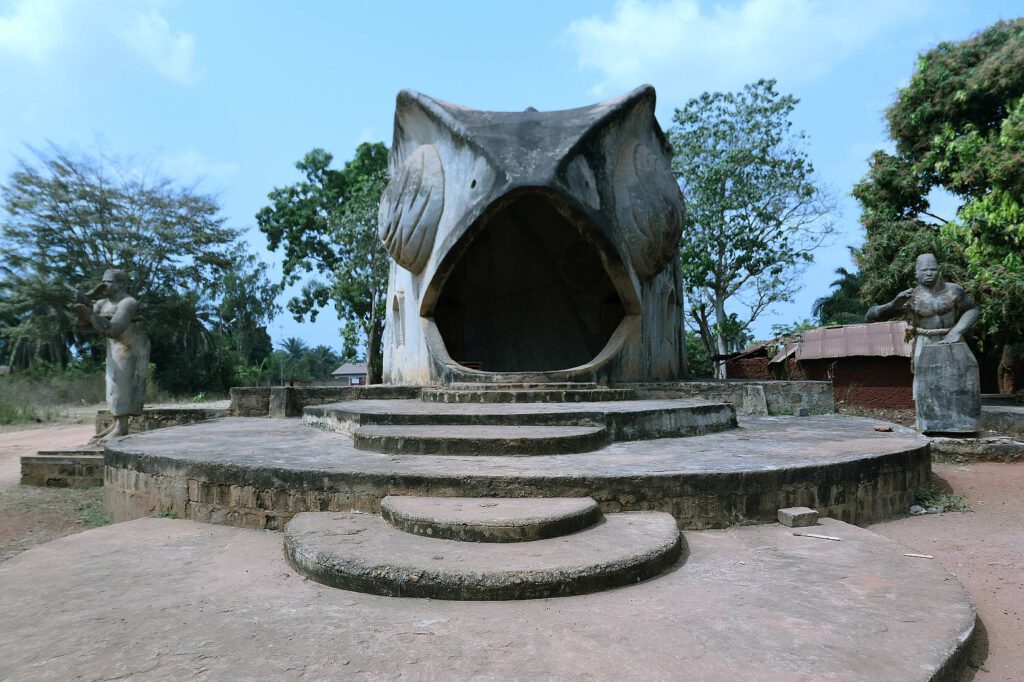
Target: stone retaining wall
column 862, row 491
column 161, row 417
column 750, row 397
column 288, row 401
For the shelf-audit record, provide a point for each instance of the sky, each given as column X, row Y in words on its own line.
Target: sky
column 228, row 95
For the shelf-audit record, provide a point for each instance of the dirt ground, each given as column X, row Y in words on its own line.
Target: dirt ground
column 30, row 516
column 983, row 548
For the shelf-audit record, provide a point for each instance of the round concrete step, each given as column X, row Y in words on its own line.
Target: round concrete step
column 480, row 440
column 525, row 395
column 624, row 419
column 362, row 552
column 487, row 519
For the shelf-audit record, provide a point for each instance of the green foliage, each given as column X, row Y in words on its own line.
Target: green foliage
column 780, row 330
column 958, row 125
column 843, row 305
column 296, row 360
column 698, row 365
column 91, row 513
column 755, row 211
column 933, row 497
column 34, row 395
column 326, row 224
column 68, row 217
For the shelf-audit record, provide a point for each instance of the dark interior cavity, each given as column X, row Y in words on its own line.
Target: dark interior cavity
column 528, row 294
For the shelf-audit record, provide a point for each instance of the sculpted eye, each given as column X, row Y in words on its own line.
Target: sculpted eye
column 648, row 205
column 410, row 210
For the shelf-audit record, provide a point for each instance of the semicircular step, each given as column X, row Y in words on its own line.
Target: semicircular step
column 525, row 395
column 361, row 552
column 487, row 519
column 425, row 439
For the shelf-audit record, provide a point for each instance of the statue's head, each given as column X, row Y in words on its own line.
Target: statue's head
column 115, row 280
column 927, row 269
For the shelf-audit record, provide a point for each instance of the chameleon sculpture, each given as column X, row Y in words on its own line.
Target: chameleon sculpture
column 532, row 246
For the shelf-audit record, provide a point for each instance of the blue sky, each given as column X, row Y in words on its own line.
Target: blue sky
column 230, row 94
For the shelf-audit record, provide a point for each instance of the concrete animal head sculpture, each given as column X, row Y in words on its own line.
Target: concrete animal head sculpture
column 532, row 246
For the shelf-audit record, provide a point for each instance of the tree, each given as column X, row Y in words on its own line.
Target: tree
column 755, row 211
column 71, row 216
column 326, row 225
column 843, row 305
column 958, row 125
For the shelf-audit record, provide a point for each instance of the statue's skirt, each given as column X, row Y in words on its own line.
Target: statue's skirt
column 947, row 388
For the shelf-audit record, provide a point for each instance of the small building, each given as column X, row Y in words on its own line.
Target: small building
column 350, row 374
column 868, row 364
column 750, row 363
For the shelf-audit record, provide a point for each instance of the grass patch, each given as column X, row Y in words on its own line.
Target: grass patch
column 933, row 497
column 91, row 514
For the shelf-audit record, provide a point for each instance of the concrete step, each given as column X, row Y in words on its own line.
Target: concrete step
column 998, row 399
column 489, row 519
column 75, row 467
column 362, row 552
column 498, row 386
column 480, row 440
column 624, row 419
column 525, row 395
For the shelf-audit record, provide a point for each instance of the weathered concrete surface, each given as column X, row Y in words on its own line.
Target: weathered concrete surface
column 159, row 598
column 754, row 398
column 1003, row 418
column 480, row 440
column 362, row 552
column 260, row 472
column 159, row 417
column 77, row 467
column 947, row 389
column 623, row 420
column 489, row 519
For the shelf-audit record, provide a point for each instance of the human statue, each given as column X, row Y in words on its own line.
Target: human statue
column 117, row 318
column 946, row 382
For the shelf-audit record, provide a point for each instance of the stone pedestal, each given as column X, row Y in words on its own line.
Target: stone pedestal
column 947, row 389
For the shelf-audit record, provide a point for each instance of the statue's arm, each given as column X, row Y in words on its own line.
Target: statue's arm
column 968, row 317
column 891, row 309
column 116, row 325
column 126, row 310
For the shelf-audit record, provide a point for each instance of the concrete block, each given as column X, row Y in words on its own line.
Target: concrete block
column 798, row 517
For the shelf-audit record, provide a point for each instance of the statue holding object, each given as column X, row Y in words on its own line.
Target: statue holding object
column 117, row 318
column 947, row 392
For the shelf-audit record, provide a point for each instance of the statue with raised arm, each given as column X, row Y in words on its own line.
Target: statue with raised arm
column 947, row 392
column 117, row 318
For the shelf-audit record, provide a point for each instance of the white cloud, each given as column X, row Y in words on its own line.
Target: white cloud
column 192, row 165
column 33, row 29
column 41, row 31
column 676, row 43
column 171, row 53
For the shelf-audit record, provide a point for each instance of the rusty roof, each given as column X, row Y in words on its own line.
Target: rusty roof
column 877, row 339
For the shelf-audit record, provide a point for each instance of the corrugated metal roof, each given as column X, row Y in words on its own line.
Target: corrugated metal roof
column 349, row 368
column 877, row 339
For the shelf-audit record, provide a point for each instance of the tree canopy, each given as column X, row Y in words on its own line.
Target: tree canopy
column 326, row 225
column 68, row 217
column 959, row 126
column 755, row 210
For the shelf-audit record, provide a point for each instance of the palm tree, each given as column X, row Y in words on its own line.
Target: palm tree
column 294, row 348
column 843, row 305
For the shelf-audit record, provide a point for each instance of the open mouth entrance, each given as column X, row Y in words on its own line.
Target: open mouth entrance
column 528, row 294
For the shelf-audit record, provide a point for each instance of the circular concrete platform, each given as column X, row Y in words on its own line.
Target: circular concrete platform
column 259, row 473
column 363, row 552
column 170, row 599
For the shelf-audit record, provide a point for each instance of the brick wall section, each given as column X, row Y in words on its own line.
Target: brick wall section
column 865, row 381
column 749, row 368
